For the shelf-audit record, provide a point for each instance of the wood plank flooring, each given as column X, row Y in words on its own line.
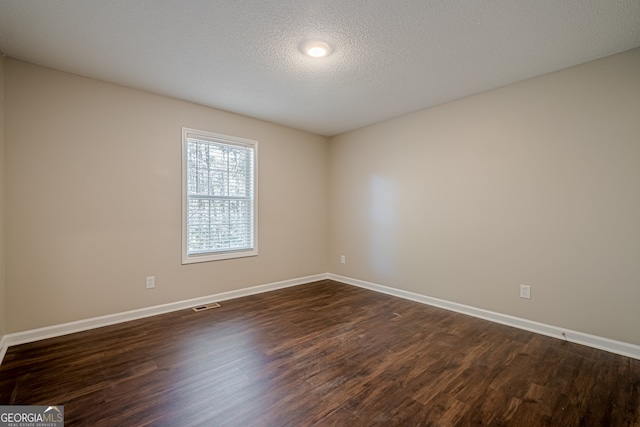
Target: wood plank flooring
column 321, row 354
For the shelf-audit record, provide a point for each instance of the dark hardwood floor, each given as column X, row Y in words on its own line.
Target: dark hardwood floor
column 321, row 354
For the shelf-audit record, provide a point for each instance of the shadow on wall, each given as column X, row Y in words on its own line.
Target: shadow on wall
column 383, row 218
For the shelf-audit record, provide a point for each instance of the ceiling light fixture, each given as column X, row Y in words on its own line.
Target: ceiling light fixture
column 317, row 49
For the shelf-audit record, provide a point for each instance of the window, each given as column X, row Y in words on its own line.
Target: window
column 219, row 198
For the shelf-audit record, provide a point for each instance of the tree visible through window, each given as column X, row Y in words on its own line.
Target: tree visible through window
column 219, row 202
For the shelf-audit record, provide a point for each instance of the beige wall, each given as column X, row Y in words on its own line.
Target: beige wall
column 93, row 199
column 2, row 269
column 535, row 183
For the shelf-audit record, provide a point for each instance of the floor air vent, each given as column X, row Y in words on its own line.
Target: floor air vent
column 206, row 306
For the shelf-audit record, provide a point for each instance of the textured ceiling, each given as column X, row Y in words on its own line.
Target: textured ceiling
column 390, row 57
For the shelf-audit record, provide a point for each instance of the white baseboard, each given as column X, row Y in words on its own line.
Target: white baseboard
column 111, row 319
column 617, row 347
column 3, row 347
column 606, row 344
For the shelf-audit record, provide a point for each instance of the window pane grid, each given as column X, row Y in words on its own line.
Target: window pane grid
column 220, row 205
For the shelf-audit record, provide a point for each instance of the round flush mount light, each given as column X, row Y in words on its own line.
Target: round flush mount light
column 316, row 49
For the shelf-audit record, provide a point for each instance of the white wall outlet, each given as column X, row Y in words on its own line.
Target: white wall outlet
column 150, row 282
column 343, row 259
column 525, row 291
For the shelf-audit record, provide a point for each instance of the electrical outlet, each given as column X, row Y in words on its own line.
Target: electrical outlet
column 343, row 259
column 525, row 291
column 151, row 282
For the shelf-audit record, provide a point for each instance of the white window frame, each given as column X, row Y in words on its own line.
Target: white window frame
column 225, row 140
